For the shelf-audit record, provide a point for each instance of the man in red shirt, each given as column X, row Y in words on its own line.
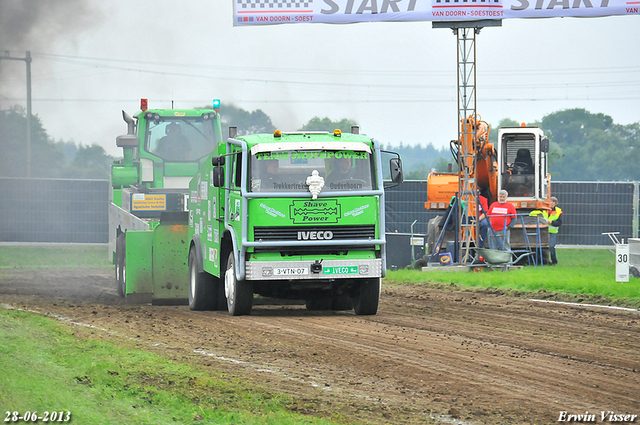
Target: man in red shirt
column 502, row 214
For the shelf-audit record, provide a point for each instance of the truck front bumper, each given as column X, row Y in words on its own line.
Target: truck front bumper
column 309, row 270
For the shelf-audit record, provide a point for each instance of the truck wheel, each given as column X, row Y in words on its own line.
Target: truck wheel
column 201, row 286
column 121, row 265
column 319, row 303
column 365, row 303
column 341, row 303
column 239, row 293
column 221, row 300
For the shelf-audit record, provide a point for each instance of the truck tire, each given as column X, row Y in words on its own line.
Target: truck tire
column 121, row 265
column 319, row 303
column 341, row 303
column 221, row 300
column 239, row 293
column 202, row 291
column 365, row 302
column 326, row 303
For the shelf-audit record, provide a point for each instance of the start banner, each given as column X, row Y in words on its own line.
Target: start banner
column 268, row 12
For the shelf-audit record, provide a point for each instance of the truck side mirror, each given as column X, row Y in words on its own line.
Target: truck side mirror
column 127, row 141
column 217, row 160
column 544, row 145
column 218, row 176
column 396, row 170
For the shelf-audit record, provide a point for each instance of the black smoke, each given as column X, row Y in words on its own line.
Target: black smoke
column 41, row 27
column 36, row 25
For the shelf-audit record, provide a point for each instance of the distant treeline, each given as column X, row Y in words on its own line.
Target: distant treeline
column 584, row 146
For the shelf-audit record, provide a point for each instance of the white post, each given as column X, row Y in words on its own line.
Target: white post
column 622, row 262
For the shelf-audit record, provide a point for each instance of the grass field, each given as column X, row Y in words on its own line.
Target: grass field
column 100, row 382
column 103, row 383
column 582, row 275
column 63, row 255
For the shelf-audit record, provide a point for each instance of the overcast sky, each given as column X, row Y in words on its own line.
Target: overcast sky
column 397, row 80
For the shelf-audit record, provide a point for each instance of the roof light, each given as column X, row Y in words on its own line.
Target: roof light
column 143, row 105
column 216, row 105
column 523, row 124
column 277, row 133
column 337, row 132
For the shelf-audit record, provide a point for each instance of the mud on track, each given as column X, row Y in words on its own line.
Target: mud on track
column 428, row 356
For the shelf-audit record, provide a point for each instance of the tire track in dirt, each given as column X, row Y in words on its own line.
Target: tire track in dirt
column 483, row 358
column 513, row 374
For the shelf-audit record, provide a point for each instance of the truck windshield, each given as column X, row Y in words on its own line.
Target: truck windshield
column 519, row 181
column 185, row 139
column 287, row 171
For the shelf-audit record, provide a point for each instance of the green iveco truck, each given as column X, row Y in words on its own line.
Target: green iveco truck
column 289, row 215
column 284, row 215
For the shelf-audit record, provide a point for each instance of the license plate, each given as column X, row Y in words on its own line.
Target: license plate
column 340, row 270
column 290, row 271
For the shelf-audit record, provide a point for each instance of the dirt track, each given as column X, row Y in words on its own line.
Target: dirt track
column 428, row 356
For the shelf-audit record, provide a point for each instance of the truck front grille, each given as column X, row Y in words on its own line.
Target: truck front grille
column 268, row 234
column 306, row 234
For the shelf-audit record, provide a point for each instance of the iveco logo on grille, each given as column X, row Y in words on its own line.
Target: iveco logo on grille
column 305, row 236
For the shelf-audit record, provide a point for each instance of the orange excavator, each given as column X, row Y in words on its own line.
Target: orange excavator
column 518, row 164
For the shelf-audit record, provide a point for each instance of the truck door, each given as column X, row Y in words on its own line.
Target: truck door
column 235, row 196
column 543, row 178
column 517, row 149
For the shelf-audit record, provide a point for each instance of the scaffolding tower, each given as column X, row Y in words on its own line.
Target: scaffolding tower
column 466, row 32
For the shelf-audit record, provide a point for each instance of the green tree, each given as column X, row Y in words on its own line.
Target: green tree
column 90, row 162
column 418, row 161
column 325, row 124
column 246, row 122
column 418, row 173
column 442, row 165
column 571, row 126
column 493, row 131
column 590, row 147
column 49, row 159
column 45, row 158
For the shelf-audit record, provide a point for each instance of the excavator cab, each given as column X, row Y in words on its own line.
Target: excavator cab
column 523, row 164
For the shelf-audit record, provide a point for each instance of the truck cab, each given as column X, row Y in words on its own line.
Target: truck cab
column 522, row 154
column 289, row 215
column 164, row 148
